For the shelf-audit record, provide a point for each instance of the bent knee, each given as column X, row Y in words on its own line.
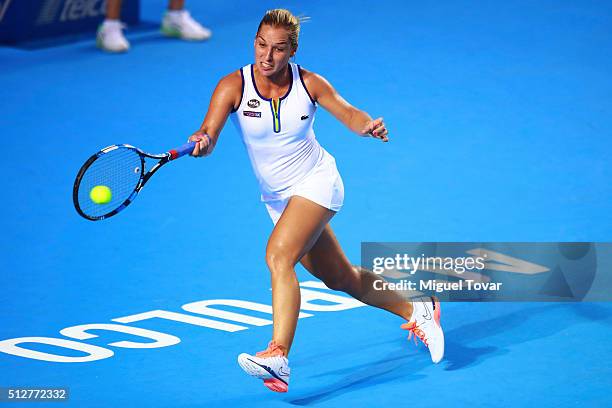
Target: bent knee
column 278, row 260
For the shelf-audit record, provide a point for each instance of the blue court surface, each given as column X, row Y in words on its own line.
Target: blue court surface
column 500, row 118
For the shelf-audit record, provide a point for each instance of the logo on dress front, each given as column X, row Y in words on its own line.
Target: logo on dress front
column 253, row 103
column 252, row 114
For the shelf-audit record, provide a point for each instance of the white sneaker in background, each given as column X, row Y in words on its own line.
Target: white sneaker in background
column 110, row 36
column 180, row 24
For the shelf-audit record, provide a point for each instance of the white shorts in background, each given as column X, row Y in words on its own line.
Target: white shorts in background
column 323, row 185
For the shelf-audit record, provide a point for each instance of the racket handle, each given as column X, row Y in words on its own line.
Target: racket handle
column 181, row 151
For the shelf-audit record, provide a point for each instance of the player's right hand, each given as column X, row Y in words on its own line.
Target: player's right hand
column 203, row 146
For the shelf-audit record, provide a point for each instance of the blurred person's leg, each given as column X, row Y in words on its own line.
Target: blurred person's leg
column 176, row 4
column 113, row 9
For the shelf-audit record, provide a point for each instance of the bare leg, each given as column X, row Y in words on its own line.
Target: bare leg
column 113, row 9
column 294, row 234
column 176, row 4
column 327, row 261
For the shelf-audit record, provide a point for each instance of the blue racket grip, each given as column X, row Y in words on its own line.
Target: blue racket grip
column 181, row 151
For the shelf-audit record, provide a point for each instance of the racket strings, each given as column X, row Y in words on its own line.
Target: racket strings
column 120, row 170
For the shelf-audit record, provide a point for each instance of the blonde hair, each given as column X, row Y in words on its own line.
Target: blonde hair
column 283, row 18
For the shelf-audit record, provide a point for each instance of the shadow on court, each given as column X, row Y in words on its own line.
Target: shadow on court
column 507, row 330
column 384, row 370
column 514, row 328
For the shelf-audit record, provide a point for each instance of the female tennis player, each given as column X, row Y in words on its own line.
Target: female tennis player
column 273, row 102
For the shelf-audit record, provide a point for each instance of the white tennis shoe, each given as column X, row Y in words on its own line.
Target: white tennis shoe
column 425, row 324
column 180, row 24
column 110, row 36
column 270, row 365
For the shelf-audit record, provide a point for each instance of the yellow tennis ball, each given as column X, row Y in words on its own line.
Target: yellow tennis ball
column 101, row 195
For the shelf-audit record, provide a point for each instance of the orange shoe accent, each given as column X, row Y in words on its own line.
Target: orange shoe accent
column 276, row 385
column 414, row 329
column 274, row 349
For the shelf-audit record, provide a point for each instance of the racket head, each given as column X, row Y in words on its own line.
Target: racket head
column 118, row 167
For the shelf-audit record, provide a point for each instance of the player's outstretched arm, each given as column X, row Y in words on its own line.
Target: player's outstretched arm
column 355, row 119
column 225, row 98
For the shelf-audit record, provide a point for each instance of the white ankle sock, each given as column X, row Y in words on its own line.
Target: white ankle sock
column 112, row 23
column 174, row 15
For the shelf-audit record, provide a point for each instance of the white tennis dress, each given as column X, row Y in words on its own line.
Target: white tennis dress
column 286, row 157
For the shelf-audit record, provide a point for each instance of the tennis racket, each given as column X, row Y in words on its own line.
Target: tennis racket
column 121, row 168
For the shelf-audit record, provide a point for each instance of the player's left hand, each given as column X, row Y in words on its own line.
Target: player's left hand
column 376, row 128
